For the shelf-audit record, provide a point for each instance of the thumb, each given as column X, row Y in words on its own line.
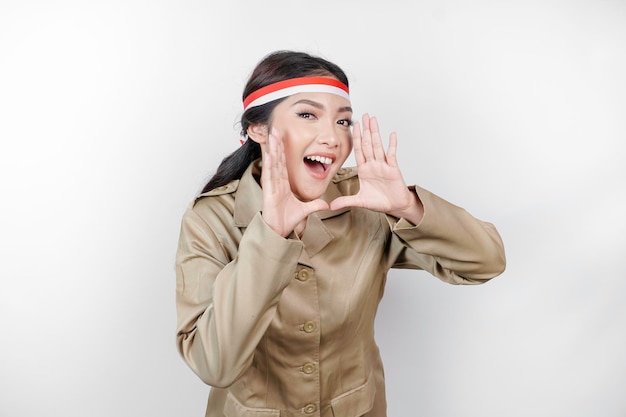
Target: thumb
column 315, row 205
column 345, row 201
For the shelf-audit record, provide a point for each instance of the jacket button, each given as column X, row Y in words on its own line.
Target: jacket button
column 310, row 408
column 308, row 368
column 302, row 275
column 310, row 326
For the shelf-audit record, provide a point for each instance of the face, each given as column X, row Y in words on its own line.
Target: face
column 317, row 138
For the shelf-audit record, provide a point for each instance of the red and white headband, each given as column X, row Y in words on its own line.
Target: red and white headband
column 293, row 86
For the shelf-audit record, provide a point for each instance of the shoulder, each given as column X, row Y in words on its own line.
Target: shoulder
column 345, row 174
column 347, row 180
column 216, row 205
column 224, row 190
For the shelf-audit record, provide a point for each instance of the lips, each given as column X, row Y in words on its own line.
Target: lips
column 318, row 165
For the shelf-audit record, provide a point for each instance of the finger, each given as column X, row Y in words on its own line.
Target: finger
column 366, row 142
column 377, row 143
column 357, row 140
column 264, row 152
column 392, row 150
column 282, row 163
column 345, row 201
column 276, row 147
column 266, row 171
column 274, row 168
column 313, row 206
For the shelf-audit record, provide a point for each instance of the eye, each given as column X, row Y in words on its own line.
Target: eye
column 345, row 122
column 306, row 115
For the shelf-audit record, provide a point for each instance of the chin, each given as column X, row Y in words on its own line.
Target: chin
column 310, row 195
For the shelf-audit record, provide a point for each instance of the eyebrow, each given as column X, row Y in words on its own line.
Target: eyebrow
column 320, row 106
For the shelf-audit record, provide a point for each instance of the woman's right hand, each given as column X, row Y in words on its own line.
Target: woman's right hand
column 282, row 210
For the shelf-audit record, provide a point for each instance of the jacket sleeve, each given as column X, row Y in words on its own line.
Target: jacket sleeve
column 225, row 305
column 459, row 248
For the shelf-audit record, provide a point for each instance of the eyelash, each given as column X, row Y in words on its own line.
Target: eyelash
column 343, row 122
column 349, row 122
column 303, row 114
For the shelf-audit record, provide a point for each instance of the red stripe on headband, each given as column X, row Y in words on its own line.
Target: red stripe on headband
column 292, row 82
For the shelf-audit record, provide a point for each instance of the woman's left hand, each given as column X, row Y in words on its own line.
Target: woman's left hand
column 382, row 187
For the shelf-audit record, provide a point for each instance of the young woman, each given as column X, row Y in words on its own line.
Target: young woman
column 282, row 260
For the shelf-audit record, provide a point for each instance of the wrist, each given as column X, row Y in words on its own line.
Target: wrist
column 413, row 211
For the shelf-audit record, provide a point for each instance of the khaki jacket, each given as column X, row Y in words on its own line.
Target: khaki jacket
column 285, row 326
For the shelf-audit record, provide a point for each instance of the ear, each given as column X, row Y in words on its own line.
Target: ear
column 258, row 132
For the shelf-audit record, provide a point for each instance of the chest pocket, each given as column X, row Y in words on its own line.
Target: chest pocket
column 233, row 408
column 355, row 402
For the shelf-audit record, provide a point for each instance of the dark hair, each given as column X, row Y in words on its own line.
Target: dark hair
column 274, row 67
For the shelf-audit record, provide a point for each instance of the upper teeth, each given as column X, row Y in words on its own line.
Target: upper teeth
column 321, row 159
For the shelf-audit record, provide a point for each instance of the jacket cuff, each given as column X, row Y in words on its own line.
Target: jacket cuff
column 438, row 215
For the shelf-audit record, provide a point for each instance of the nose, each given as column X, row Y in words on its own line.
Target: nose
column 327, row 134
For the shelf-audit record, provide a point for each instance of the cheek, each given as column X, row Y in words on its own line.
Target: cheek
column 290, row 143
column 347, row 143
column 292, row 152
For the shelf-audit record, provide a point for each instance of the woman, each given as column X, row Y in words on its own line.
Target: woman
column 282, row 260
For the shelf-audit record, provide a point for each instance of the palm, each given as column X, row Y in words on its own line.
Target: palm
column 382, row 187
column 379, row 186
column 282, row 210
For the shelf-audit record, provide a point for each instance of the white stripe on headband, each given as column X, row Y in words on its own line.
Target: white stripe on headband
column 293, row 86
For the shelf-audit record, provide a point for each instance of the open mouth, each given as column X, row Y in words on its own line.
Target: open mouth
column 317, row 164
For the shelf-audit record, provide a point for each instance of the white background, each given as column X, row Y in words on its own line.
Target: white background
column 114, row 113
